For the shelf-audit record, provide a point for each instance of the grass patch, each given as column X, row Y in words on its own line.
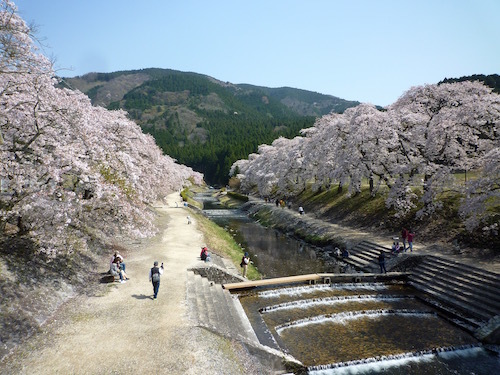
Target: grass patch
column 187, row 196
column 238, row 196
column 221, row 242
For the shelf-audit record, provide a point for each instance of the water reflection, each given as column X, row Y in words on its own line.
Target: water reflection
column 273, row 253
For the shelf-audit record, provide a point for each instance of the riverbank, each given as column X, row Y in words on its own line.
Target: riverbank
column 330, row 235
column 122, row 330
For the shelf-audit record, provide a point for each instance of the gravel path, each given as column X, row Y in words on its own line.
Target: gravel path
column 125, row 331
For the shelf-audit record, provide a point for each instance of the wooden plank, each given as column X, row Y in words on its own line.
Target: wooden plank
column 314, row 277
column 275, row 281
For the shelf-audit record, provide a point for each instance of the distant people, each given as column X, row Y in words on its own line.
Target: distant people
column 188, row 219
column 404, row 236
column 345, row 253
column 154, row 276
column 337, row 252
column 381, row 262
column 301, row 210
column 277, row 202
column 205, row 255
column 411, row 236
column 245, row 261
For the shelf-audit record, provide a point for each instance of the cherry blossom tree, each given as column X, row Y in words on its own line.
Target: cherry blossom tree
column 442, row 129
column 413, row 147
column 71, row 172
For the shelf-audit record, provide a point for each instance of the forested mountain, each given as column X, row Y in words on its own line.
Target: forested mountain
column 203, row 122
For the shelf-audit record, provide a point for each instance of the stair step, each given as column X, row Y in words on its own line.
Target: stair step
column 461, row 284
column 191, row 296
column 460, row 293
column 210, row 313
column 478, row 274
column 440, row 294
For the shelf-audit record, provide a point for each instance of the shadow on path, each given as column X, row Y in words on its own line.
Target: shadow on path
column 142, row 296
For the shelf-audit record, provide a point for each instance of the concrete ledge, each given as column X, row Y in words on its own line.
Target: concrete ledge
column 490, row 332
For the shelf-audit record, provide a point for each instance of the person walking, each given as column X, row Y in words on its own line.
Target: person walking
column 381, row 262
column 245, row 261
column 154, row 277
column 404, row 236
column 411, row 235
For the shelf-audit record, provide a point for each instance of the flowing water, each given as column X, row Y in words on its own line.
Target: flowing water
column 357, row 328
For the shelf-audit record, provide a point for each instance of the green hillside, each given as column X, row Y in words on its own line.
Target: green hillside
column 203, row 122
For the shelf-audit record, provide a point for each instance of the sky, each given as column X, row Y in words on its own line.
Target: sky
column 366, row 50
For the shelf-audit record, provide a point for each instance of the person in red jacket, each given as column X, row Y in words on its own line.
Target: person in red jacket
column 404, row 236
column 411, row 235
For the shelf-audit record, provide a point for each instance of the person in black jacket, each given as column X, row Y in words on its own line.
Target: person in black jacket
column 154, row 277
column 381, row 262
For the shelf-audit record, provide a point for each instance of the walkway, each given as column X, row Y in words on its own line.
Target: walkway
column 124, row 331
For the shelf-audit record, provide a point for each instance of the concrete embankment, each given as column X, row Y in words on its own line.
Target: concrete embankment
column 308, row 228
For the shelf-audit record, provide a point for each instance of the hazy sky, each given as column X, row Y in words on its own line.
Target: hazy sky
column 366, row 50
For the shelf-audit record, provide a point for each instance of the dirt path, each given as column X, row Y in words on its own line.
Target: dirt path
column 125, row 331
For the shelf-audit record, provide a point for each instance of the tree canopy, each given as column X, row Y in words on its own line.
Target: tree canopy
column 413, row 148
column 70, row 173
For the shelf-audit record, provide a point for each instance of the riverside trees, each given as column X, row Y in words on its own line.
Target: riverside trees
column 413, row 147
column 70, row 172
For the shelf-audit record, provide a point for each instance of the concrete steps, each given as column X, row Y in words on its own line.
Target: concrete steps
column 364, row 256
column 472, row 293
column 212, row 307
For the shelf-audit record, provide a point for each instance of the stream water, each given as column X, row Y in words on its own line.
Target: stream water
column 356, row 328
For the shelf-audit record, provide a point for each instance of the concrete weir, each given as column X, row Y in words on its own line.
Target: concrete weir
column 467, row 297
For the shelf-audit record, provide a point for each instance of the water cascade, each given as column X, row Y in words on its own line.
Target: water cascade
column 345, row 328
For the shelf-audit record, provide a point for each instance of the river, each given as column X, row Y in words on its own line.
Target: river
column 345, row 329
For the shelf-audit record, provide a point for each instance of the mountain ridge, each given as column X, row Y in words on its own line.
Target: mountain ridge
column 204, row 122
column 105, row 88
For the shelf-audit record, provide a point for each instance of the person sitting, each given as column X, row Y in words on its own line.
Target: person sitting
column 115, row 271
column 205, row 255
column 395, row 247
column 301, row 210
column 121, row 268
column 116, row 256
